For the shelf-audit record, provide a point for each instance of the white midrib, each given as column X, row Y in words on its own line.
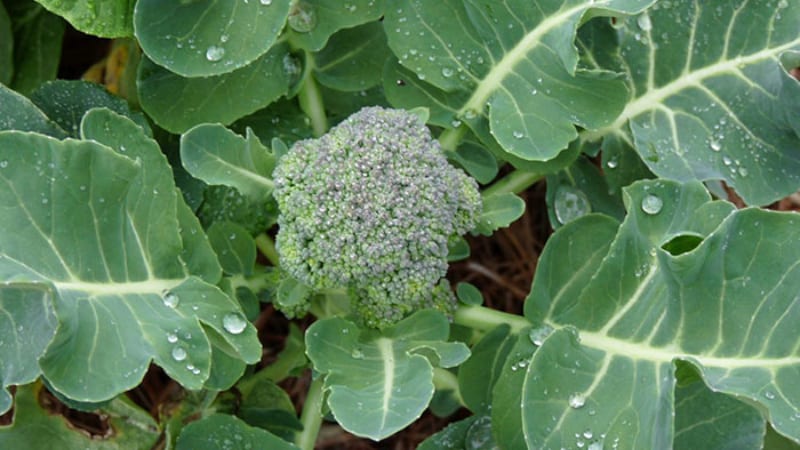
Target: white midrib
column 655, row 97
column 499, row 72
column 667, row 354
column 152, row 286
column 266, row 182
column 387, row 354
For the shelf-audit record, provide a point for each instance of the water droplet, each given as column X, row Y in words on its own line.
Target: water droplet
column 266, row 2
column 357, row 353
column 172, row 338
column 302, row 17
column 447, row 72
column 644, row 22
column 743, row 172
column 224, row 38
column 715, row 145
column 612, row 163
column 783, row 4
column 538, row 335
column 769, row 395
column 170, row 299
column 588, row 434
column 652, row 204
column 470, row 114
column 234, row 323
column 570, row 203
column 577, row 400
column 178, row 353
column 215, row 53
column 3, row 164
column 518, row 134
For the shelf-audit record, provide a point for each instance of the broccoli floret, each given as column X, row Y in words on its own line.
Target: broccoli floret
column 226, row 203
column 370, row 207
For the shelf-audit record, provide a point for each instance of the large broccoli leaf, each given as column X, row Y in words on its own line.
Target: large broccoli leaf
column 682, row 278
column 510, row 67
column 98, row 224
column 710, row 96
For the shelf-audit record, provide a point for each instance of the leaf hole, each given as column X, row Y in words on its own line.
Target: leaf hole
column 682, row 244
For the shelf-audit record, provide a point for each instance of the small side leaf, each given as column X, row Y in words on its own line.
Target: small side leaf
column 225, row 431
column 379, row 383
column 499, row 211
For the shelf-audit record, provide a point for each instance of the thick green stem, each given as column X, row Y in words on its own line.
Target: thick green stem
column 444, row 380
column 450, row 138
column 311, row 417
column 311, row 103
column 482, row 318
column 515, row 182
column 267, row 248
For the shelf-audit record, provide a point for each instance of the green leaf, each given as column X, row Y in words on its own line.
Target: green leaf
column 177, row 103
column 453, row 437
column 703, row 84
column 205, row 38
column 353, row 59
column 36, row 427
column 312, row 22
column 109, row 18
column 705, row 419
column 469, row 294
column 282, row 119
column 477, row 161
column 19, row 113
column 219, row 431
column 623, row 310
column 578, row 190
column 37, row 44
column 217, row 155
column 379, row 383
column 265, row 405
column 506, row 408
column 518, row 59
column 6, row 47
column 27, row 324
column 478, row 375
column 100, row 231
column 65, row 103
column 499, row 210
column 234, row 247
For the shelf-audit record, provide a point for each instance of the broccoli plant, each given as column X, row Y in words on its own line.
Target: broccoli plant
column 237, row 229
column 369, row 208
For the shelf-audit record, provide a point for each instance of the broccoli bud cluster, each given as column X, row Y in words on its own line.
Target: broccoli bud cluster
column 369, row 207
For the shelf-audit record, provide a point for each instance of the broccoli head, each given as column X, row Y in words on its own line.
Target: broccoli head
column 370, row 207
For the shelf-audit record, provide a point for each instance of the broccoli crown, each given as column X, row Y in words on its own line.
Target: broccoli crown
column 370, row 207
column 222, row 203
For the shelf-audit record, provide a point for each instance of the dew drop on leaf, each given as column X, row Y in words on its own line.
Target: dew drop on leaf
column 172, row 338
column 652, row 204
column 570, row 203
column 538, row 335
column 577, row 400
column 178, row 353
column 3, row 164
column 266, row 2
column 715, row 145
column 302, row 17
column 215, row 53
column 518, row 134
column 357, row 353
column 447, row 72
column 644, row 22
column 170, row 299
column 234, row 323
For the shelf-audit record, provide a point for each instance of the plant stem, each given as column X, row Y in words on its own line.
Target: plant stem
column 450, row 138
column 515, row 182
column 311, row 103
column 267, row 248
column 444, row 380
column 482, row 318
column 311, row 416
